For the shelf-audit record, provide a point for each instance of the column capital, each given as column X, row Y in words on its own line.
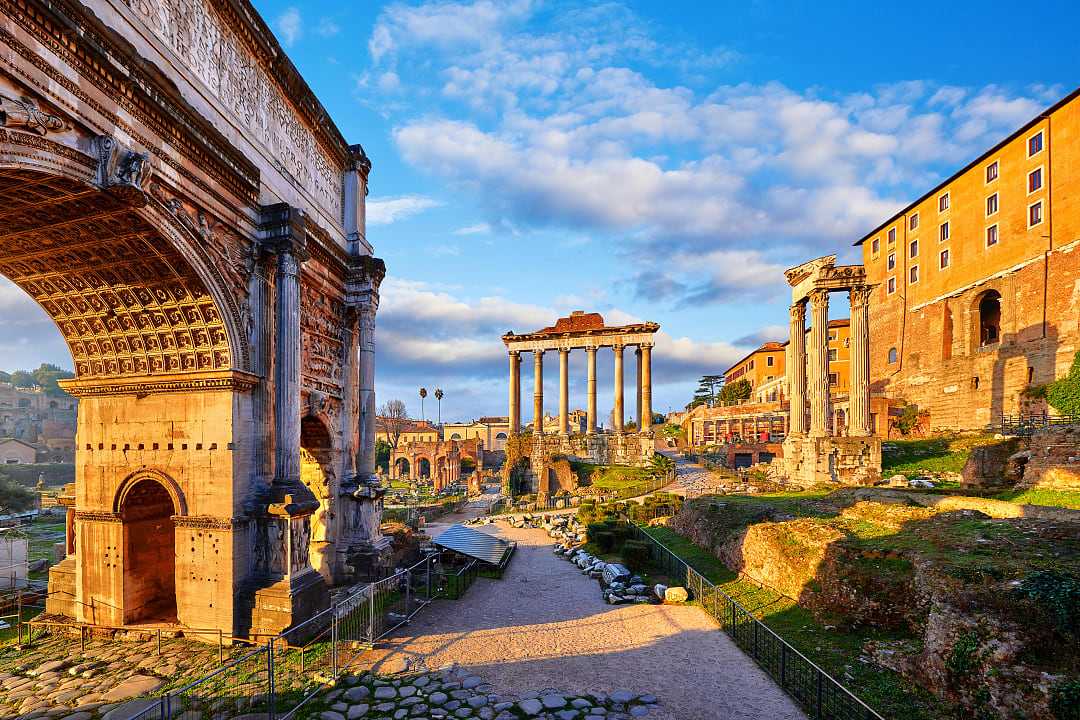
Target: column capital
column 798, row 310
column 358, row 161
column 819, row 297
column 514, row 354
column 283, row 230
column 860, row 296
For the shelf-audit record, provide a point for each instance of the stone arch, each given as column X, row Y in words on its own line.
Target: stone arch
column 126, row 485
column 146, row 504
column 129, row 287
column 987, row 313
column 401, row 467
column 423, row 467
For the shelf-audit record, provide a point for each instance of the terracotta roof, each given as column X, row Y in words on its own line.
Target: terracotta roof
column 578, row 321
column 412, row 427
column 840, row 322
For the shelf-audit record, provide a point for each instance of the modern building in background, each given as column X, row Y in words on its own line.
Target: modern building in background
column 976, row 296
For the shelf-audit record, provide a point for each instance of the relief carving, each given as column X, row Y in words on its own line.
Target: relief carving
column 23, row 113
column 322, row 328
column 120, row 166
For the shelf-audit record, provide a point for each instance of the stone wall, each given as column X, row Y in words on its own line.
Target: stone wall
column 809, row 461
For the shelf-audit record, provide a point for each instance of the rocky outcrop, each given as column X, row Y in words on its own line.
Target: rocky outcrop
column 989, row 466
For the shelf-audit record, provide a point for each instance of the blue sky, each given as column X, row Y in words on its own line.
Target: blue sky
column 652, row 161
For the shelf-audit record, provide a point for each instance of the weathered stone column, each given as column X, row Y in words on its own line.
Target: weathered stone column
column 590, row 426
column 368, row 305
column 646, row 388
column 796, row 370
column 538, row 392
column 618, row 419
column 859, row 394
column 637, row 387
column 818, row 363
column 515, row 392
column 564, row 391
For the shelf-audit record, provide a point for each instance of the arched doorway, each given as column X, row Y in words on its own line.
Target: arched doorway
column 146, row 510
column 401, row 469
column 316, row 472
column 423, row 468
column 989, row 318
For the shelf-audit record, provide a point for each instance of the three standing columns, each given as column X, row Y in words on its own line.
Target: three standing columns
column 818, row 363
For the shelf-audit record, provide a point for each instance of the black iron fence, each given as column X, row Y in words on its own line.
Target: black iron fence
column 276, row 678
column 1029, row 424
column 815, row 690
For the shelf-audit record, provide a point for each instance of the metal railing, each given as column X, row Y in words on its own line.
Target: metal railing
column 815, row 690
column 1028, row 424
column 278, row 677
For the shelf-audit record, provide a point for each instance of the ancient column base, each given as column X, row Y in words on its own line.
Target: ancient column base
column 810, row 461
column 61, row 599
column 287, row 603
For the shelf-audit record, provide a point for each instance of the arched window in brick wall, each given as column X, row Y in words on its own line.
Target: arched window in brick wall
column 892, row 356
column 989, row 318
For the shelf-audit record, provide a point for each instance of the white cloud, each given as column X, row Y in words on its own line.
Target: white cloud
column 328, row 27
column 477, row 229
column 290, row 26
column 383, row 211
column 443, row 24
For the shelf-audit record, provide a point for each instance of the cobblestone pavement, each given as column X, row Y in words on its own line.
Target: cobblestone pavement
column 691, row 480
column 544, row 625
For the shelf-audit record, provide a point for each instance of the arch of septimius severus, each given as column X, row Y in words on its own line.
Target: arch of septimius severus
column 179, row 202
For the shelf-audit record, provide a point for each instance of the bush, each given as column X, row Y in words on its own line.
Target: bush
column 636, row 554
column 603, row 540
column 1065, row 700
column 1058, row 595
column 1064, row 395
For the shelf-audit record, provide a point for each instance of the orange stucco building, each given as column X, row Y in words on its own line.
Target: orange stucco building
column 977, row 280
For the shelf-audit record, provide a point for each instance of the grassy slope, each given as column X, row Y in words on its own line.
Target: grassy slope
column 929, row 455
column 1054, row 498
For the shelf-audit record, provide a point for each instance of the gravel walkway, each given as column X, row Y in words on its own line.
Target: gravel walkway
column 544, row 625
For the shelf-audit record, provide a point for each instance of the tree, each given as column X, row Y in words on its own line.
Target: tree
column 707, row 391
column 382, row 455
column 423, row 394
column 395, row 420
column 1064, row 395
column 738, row 390
column 23, row 379
column 670, row 431
column 47, row 376
column 14, row 497
column 439, row 397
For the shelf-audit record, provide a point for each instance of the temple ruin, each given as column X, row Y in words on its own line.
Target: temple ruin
column 813, row 453
column 583, row 331
column 180, row 203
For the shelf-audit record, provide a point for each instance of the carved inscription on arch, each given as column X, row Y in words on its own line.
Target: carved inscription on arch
column 215, row 53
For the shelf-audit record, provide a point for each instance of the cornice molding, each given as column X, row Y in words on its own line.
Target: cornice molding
column 213, row 381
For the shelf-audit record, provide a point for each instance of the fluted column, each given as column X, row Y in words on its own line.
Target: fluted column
column 818, row 363
column 515, row 392
column 618, row 419
column 287, row 369
column 859, row 394
column 796, row 370
column 538, row 392
column 564, row 391
column 368, row 307
column 590, row 426
column 646, row 388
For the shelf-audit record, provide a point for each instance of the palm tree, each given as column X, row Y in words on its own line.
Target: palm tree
column 439, row 397
column 423, row 394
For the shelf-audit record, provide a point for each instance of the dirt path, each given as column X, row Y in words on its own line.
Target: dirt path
column 544, row 625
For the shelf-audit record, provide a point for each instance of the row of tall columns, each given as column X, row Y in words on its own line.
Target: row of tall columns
column 808, row 367
column 643, row 386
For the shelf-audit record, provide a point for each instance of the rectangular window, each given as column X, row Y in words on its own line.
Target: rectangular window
column 769, row 362
column 832, row 354
column 834, row 379
column 913, row 249
column 913, row 222
column 991, row 204
column 943, row 232
column 943, row 203
column 1034, row 180
column 892, row 235
column 913, row 274
column 991, row 235
column 891, row 263
column 1035, row 144
column 992, row 172
column 891, row 285
column 944, row 260
column 875, row 246
column 1035, row 214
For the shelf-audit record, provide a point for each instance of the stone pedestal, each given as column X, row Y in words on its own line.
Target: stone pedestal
column 810, row 461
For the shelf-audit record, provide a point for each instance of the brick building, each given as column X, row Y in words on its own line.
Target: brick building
column 978, row 280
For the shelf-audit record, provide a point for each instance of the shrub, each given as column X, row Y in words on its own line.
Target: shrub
column 1065, row 700
column 1064, row 395
column 636, row 554
column 1058, row 595
column 603, row 540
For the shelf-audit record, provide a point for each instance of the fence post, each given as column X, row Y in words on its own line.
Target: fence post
column 333, row 641
column 371, row 613
column 427, row 567
column 819, row 684
column 159, row 641
column 220, row 649
column 18, row 610
column 270, row 699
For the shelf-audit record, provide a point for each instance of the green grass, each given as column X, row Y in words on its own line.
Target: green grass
column 942, row 454
column 1054, row 498
column 835, row 650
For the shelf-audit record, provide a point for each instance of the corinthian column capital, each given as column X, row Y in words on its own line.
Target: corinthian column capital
column 859, row 296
